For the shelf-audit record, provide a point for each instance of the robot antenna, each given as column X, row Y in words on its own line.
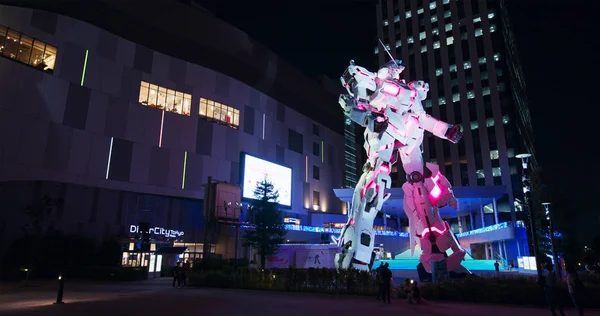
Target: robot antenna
column 388, row 52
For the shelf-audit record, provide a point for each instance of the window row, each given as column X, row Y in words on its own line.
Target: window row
column 470, row 95
column 162, row 98
column 174, row 101
column 220, row 112
column 436, row 31
column 495, row 173
column 26, row 49
column 408, row 14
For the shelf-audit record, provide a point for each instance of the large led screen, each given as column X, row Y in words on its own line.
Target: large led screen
column 255, row 170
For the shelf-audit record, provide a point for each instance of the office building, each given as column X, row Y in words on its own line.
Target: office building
column 466, row 51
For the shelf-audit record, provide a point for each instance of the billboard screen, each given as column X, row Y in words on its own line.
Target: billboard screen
column 254, row 170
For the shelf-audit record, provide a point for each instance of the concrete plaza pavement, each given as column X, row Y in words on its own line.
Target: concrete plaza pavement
column 157, row 297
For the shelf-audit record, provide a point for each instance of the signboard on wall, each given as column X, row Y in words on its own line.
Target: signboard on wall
column 283, row 259
column 313, row 258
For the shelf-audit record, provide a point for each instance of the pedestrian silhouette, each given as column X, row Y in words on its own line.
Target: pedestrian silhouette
column 317, row 261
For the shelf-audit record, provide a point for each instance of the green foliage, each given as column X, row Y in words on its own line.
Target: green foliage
column 269, row 229
column 514, row 291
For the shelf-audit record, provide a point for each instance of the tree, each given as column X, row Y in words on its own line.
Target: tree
column 264, row 213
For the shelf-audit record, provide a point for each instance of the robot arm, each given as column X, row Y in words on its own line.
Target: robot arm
column 357, row 113
column 430, row 123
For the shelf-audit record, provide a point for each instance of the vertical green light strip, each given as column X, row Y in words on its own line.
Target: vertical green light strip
column 84, row 67
column 322, row 153
column 184, row 167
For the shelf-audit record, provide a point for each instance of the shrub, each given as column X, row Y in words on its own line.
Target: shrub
column 518, row 291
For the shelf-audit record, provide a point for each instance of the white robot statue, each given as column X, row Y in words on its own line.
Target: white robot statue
column 392, row 113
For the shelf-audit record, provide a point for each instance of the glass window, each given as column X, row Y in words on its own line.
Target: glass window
column 152, row 96
column 187, row 104
column 219, row 112
column 25, row 46
column 494, row 154
column 12, row 44
column 496, row 172
column 3, row 30
column 37, row 55
column 480, row 174
column 166, row 99
column 170, row 100
column 144, row 92
column 161, row 100
column 49, row 58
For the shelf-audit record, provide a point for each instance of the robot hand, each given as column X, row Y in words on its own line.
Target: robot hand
column 454, row 134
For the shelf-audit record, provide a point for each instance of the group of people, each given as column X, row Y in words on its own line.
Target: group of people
column 574, row 284
column 386, row 284
column 180, row 273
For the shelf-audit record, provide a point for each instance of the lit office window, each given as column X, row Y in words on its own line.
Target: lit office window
column 438, row 71
column 486, row 91
column 26, row 49
column 496, row 172
column 423, row 49
column 448, row 27
column 480, row 174
column 398, row 43
column 510, row 152
column 410, row 40
column 420, row 11
column 470, row 95
column 161, row 98
column 493, row 28
column 436, row 45
column 449, row 41
column 482, row 60
column 489, row 122
column 219, row 112
column 432, row 5
column 385, row 23
column 478, row 32
column 422, row 34
column 474, row 125
column 477, row 19
column 455, row 97
column 446, row 14
column 494, row 154
column 467, row 65
column 442, row 101
column 491, row 15
column 505, row 119
column 434, row 18
column 496, row 56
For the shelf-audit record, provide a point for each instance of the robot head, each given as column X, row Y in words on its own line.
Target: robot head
column 391, row 70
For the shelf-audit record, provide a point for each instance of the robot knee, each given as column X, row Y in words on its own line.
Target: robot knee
column 414, row 177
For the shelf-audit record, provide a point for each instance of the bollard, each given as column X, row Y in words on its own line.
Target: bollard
column 61, row 287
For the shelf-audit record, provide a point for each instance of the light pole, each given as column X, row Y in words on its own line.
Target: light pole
column 527, row 197
column 557, row 267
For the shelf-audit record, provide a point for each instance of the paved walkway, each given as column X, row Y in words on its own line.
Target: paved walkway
column 157, row 298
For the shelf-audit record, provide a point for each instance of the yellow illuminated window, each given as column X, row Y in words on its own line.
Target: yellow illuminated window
column 162, row 98
column 219, row 112
column 26, row 49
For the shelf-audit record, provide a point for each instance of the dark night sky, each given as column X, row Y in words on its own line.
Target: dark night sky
column 555, row 43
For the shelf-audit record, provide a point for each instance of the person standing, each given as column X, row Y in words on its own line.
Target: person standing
column 177, row 274
column 378, row 280
column 386, row 282
column 575, row 288
column 550, row 290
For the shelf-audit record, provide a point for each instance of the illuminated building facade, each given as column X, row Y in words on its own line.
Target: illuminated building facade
column 466, row 51
column 126, row 127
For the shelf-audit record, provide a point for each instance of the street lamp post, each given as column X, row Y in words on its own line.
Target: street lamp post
column 527, row 197
column 557, row 267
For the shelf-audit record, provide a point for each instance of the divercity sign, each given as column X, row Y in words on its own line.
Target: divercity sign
column 169, row 233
